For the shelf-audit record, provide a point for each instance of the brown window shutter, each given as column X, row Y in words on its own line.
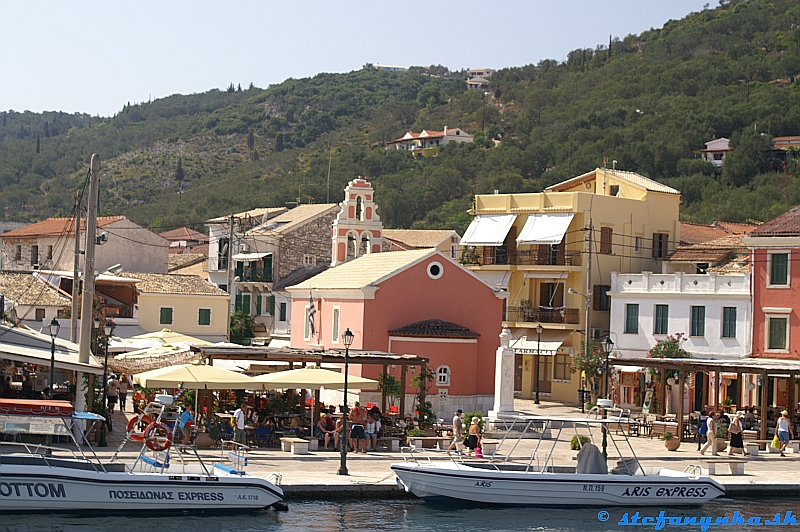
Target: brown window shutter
column 596, row 295
column 511, row 245
column 656, row 245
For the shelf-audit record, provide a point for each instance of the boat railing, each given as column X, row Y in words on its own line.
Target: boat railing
column 693, row 470
column 237, row 454
column 48, row 453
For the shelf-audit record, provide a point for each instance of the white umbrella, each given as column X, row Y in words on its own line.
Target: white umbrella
column 313, row 378
column 195, row 376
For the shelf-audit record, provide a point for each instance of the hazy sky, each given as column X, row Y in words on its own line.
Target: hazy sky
column 93, row 56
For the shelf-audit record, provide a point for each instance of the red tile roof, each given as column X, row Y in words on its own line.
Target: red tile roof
column 434, row 328
column 692, row 233
column 785, row 224
column 184, row 233
column 56, row 227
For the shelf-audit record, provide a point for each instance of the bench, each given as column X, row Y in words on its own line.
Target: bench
column 736, row 466
column 392, row 444
column 754, row 446
column 313, row 443
column 430, row 442
column 489, row 447
column 294, row 445
column 227, row 469
column 658, row 428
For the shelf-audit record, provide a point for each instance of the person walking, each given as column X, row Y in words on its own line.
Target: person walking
column 123, row 391
column 186, row 422
column 711, row 434
column 112, row 392
column 238, row 425
column 735, row 429
column 458, row 432
column 783, row 429
column 474, row 439
column 358, row 417
column 702, row 428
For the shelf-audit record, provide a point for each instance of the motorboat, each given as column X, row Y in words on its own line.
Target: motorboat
column 538, row 481
column 37, row 477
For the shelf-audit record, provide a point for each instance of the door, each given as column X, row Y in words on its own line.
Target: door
column 545, row 368
column 517, row 373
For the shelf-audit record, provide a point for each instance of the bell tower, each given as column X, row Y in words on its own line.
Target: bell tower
column 357, row 229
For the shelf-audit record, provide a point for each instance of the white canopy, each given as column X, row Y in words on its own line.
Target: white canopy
column 525, row 341
column 488, row 230
column 313, row 378
column 247, row 257
column 23, row 345
column 545, row 228
column 195, row 376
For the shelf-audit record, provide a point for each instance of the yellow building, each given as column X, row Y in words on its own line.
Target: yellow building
column 182, row 303
column 535, row 247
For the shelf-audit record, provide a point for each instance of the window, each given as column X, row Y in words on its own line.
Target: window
column 661, row 323
column 778, row 269
column 335, row 324
column 307, row 325
column 242, row 302
column 660, row 241
column 600, row 299
column 605, row 240
column 34, row 255
column 39, row 314
column 165, row 316
column 49, row 252
column 702, row 268
column 282, row 314
column 777, row 334
column 561, row 369
column 729, row 322
column 204, row 316
column 443, row 376
column 637, row 245
column 614, row 190
column 435, row 270
column 698, row 321
column 632, row 318
column 309, row 260
column 259, row 300
column 18, row 253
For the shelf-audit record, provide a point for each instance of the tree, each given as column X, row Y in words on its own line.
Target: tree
column 251, row 141
column 38, row 143
column 279, row 142
column 747, row 158
column 590, row 360
column 390, row 386
column 231, row 87
column 179, row 171
column 422, row 382
column 242, row 327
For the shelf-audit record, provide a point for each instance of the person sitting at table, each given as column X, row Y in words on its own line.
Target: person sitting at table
column 749, row 418
column 322, row 430
column 296, row 424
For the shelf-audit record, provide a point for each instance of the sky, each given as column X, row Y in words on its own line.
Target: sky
column 96, row 56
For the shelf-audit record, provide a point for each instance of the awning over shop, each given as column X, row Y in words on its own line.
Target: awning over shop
column 488, row 230
column 22, row 345
column 526, row 341
column 629, row 369
column 545, row 228
column 249, row 257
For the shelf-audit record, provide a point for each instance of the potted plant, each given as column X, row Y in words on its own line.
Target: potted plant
column 722, row 436
column 416, row 433
column 577, row 442
column 671, row 442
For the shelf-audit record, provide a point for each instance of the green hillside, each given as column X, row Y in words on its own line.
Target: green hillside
column 650, row 102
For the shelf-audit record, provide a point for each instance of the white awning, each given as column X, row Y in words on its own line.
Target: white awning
column 488, row 230
column 629, row 369
column 545, row 228
column 526, row 341
column 248, row 257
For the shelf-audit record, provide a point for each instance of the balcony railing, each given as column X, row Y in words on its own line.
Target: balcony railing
column 255, row 277
column 118, row 311
column 544, row 315
column 527, row 257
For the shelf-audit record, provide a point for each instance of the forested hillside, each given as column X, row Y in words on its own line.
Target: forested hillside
column 648, row 101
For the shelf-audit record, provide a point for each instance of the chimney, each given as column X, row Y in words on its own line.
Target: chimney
column 445, row 130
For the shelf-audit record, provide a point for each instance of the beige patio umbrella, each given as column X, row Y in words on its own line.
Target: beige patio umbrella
column 196, row 376
column 313, row 378
column 169, row 337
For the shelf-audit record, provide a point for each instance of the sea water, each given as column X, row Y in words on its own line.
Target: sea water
column 416, row 515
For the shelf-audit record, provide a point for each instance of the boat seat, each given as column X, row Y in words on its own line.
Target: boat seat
column 154, row 463
column 227, row 469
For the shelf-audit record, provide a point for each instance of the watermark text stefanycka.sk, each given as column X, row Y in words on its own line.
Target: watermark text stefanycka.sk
column 662, row 520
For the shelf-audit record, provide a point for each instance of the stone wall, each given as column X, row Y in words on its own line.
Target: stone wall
column 312, row 238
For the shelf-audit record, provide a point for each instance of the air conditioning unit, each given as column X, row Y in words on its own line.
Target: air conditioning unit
column 596, row 333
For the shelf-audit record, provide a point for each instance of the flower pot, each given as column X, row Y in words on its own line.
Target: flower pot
column 721, row 445
column 672, row 444
column 204, row 441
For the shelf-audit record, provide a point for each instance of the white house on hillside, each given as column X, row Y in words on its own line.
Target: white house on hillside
column 715, row 151
column 429, row 139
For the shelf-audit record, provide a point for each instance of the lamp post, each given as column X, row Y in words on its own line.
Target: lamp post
column 347, row 337
column 608, row 345
column 54, row 327
column 106, row 333
column 538, row 352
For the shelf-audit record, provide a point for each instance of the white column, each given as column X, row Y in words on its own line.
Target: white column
column 503, row 377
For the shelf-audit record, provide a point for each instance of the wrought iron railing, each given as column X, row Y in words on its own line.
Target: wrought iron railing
column 544, row 315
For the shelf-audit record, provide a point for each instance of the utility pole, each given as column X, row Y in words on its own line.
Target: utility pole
column 73, row 325
column 588, row 297
column 88, row 279
column 232, row 300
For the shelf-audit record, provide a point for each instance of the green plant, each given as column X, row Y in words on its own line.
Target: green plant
column 577, row 442
column 242, row 327
column 214, row 431
column 468, row 420
column 722, row 431
column 415, row 432
column 667, row 436
column 727, row 401
column 589, row 360
column 390, row 386
column 424, row 409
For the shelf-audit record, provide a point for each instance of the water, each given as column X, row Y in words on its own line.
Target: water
column 399, row 515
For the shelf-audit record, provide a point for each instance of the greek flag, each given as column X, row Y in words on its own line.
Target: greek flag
column 312, row 310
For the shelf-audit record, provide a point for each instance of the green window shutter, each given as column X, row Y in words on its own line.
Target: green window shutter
column 698, row 321
column 271, row 305
column 268, row 269
column 238, row 304
column 631, row 318
column 777, row 333
column 662, row 319
column 258, row 305
column 240, row 270
column 729, row 322
column 246, row 307
column 165, row 316
column 204, row 316
column 779, row 270
column 282, row 317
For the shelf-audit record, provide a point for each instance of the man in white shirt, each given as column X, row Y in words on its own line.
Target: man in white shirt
column 458, row 432
column 238, row 427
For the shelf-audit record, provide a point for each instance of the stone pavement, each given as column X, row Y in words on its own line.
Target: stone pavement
column 315, row 475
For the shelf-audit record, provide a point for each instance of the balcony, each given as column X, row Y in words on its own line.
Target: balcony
column 527, row 257
column 544, row 315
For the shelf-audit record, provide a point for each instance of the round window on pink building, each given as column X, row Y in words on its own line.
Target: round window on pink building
column 435, row 270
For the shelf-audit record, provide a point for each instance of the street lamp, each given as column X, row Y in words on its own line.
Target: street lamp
column 347, row 338
column 54, row 327
column 107, row 328
column 608, row 345
column 538, row 352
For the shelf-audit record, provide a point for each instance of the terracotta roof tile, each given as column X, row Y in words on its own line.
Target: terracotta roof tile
column 25, row 288
column 785, row 224
column 434, row 328
column 418, row 238
column 365, row 271
column 172, row 283
column 184, row 233
column 692, row 233
column 184, row 260
column 56, row 227
column 285, row 222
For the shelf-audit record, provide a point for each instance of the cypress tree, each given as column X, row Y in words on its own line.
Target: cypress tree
column 251, row 141
column 179, row 171
column 38, row 143
column 279, row 142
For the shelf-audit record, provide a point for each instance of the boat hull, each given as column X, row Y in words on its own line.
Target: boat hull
column 55, row 489
column 460, row 482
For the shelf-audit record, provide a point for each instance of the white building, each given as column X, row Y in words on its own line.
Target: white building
column 715, row 151
column 429, row 139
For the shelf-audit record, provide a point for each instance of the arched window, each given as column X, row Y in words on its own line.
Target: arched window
column 364, row 249
column 351, row 246
column 359, row 208
column 443, row 376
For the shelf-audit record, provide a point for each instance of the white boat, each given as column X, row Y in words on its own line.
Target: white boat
column 37, row 477
column 539, row 482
